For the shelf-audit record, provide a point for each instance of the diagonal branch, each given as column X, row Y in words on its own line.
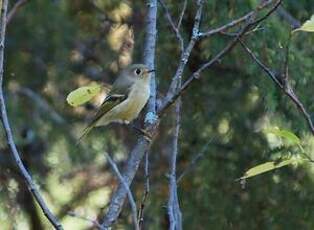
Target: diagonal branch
column 182, row 14
column 235, row 22
column 15, row 9
column 196, row 35
column 128, row 174
column 126, row 186
column 267, row 70
column 172, row 97
column 193, row 162
column 9, row 135
column 90, row 220
column 185, row 54
column 285, row 87
column 42, row 104
column 285, row 15
column 175, row 28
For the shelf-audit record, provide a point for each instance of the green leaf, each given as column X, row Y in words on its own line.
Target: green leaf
column 83, row 94
column 294, row 139
column 307, row 26
column 266, row 167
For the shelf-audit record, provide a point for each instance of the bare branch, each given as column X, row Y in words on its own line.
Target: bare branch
column 174, row 212
column 151, row 119
column 172, row 97
column 285, row 15
column 149, row 60
column 129, row 172
column 198, row 156
column 15, row 9
column 187, row 51
column 40, row 102
column 182, row 14
column 92, row 221
column 9, row 135
column 175, row 28
column 146, row 192
column 129, row 193
column 235, row 22
column 285, row 77
column 285, row 87
column 269, row 72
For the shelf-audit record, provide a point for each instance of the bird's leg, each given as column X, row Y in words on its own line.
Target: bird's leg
column 146, row 135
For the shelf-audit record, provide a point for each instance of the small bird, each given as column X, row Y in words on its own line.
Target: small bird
column 128, row 96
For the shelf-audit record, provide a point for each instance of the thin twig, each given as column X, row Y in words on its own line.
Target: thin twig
column 94, row 222
column 192, row 164
column 9, row 135
column 287, row 89
column 236, row 21
column 285, row 77
column 129, row 172
column 40, row 102
column 182, row 14
column 146, row 192
column 185, row 54
column 175, row 28
column 172, row 97
column 129, row 193
column 15, row 9
column 267, row 70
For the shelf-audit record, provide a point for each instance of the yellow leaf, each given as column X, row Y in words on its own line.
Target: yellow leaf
column 265, row 167
column 83, row 94
column 288, row 135
column 307, row 26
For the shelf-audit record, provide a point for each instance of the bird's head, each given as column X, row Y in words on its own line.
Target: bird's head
column 138, row 71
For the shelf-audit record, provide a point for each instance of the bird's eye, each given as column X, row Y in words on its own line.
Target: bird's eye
column 138, row 71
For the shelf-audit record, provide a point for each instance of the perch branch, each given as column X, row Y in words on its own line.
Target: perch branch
column 151, row 122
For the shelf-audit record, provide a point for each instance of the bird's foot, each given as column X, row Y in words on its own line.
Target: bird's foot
column 145, row 134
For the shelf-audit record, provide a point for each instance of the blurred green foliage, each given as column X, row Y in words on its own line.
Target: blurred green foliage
column 52, row 47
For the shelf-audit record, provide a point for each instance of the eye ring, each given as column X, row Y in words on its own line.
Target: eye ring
column 137, row 71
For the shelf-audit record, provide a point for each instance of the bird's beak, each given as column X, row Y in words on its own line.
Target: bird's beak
column 150, row 71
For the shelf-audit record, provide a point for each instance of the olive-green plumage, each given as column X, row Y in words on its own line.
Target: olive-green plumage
column 126, row 99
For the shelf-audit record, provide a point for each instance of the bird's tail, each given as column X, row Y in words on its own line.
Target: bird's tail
column 85, row 132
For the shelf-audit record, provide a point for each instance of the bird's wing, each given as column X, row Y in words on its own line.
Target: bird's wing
column 117, row 94
column 109, row 102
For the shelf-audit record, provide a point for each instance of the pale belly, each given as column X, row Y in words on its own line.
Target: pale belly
column 129, row 109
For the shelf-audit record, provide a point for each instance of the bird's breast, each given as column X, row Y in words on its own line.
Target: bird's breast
column 136, row 101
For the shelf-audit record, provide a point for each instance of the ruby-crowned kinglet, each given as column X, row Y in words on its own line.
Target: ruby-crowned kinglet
column 126, row 99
